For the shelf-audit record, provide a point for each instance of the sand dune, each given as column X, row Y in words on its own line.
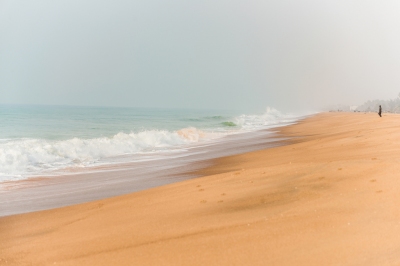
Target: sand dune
column 330, row 197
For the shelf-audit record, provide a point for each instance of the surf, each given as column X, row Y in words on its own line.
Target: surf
column 23, row 157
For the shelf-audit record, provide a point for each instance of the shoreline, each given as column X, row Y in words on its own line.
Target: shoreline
column 328, row 198
column 96, row 139
column 49, row 192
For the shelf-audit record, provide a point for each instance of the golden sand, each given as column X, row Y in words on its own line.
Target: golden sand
column 331, row 197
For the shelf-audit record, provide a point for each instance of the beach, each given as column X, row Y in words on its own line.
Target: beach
column 329, row 196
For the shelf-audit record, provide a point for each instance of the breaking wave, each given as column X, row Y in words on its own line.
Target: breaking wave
column 28, row 156
column 229, row 124
column 270, row 118
column 24, row 156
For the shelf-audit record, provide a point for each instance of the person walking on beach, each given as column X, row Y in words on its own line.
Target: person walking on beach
column 380, row 111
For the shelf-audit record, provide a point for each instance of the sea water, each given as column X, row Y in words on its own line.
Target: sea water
column 39, row 140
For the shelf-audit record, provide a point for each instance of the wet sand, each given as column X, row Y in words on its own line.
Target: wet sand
column 329, row 198
column 142, row 172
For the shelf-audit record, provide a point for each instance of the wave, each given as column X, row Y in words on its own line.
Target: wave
column 228, row 124
column 214, row 117
column 27, row 157
column 270, row 118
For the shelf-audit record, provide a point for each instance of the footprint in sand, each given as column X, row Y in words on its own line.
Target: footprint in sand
column 202, row 189
column 372, row 180
column 203, row 201
column 198, row 186
column 220, row 201
column 223, row 194
column 373, row 159
column 339, row 169
column 379, row 191
column 322, row 177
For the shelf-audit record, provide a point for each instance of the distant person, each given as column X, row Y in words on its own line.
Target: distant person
column 380, row 111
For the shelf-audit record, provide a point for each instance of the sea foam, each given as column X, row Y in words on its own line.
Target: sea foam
column 20, row 158
column 24, row 156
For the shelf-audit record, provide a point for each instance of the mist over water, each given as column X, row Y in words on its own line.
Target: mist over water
column 234, row 55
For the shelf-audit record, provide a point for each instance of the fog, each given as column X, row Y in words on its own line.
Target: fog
column 292, row 55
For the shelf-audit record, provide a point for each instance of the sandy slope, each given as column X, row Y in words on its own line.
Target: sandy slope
column 331, row 197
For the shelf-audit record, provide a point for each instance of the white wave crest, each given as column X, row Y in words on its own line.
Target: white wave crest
column 27, row 156
column 270, row 118
column 20, row 158
column 192, row 134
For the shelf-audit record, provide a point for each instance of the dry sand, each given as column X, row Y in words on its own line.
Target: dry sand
column 332, row 197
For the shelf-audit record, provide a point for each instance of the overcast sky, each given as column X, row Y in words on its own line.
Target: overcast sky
column 223, row 54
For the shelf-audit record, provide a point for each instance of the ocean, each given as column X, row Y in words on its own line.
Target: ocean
column 55, row 140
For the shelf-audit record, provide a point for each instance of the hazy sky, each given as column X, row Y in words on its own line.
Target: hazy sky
column 226, row 54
